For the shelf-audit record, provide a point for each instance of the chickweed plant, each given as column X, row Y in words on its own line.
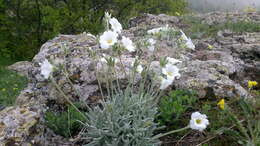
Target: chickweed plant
column 172, row 107
column 127, row 111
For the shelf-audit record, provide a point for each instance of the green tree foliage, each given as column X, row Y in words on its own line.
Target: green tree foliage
column 26, row 24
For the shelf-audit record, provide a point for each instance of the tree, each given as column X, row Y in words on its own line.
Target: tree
column 26, row 24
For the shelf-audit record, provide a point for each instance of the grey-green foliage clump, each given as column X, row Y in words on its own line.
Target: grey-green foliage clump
column 122, row 121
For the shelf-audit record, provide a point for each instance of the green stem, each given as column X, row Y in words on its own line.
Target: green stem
column 170, row 132
column 66, row 97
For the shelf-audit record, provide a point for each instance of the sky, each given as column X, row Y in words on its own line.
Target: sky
column 223, row 5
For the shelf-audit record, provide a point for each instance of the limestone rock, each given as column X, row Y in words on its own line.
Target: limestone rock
column 22, row 67
column 16, row 125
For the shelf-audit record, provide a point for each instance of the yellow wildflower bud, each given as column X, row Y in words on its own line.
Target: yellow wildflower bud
column 210, row 47
column 221, row 104
column 177, row 13
column 251, row 84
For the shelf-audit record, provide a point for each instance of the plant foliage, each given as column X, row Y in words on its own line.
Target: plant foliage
column 65, row 123
column 172, row 107
column 125, row 120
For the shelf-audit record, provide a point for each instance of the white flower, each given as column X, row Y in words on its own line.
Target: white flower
column 198, row 121
column 154, row 31
column 157, row 30
column 183, row 36
column 46, row 68
column 188, row 41
column 103, row 60
column 151, row 41
column 171, row 71
column 107, row 16
column 151, row 44
column 139, row 68
column 172, row 61
column 108, row 39
column 165, row 83
column 189, row 44
column 116, row 26
column 128, row 44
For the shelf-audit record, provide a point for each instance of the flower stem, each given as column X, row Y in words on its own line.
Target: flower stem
column 66, row 97
column 170, row 132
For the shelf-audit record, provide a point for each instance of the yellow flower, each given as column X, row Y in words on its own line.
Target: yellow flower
column 221, row 104
column 251, row 84
column 177, row 13
column 210, row 47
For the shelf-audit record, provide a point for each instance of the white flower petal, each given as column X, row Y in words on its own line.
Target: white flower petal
column 116, row 26
column 165, row 83
column 151, row 46
column 46, row 68
column 198, row 121
column 157, row 30
column 172, row 61
column 108, row 39
column 189, row 44
column 188, row 41
column 139, row 68
column 107, row 15
column 171, row 71
column 128, row 44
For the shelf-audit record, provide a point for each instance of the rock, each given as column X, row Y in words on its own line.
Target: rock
column 214, row 18
column 22, row 67
column 17, row 125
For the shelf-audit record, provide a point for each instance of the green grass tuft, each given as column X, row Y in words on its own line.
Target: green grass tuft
column 65, row 123
column 10, row 86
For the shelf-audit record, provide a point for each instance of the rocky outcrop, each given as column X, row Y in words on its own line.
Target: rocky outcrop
column 214, row 18
column 17, row 124
column 218, row 67
column 22, row 68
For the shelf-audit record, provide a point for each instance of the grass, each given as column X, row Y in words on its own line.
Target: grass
column 197, row 29
column 65, row 123
column 10, row 85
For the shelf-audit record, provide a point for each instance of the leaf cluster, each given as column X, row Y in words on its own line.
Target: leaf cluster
column 66, row 123
column 173, row 106
column 123, row 120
